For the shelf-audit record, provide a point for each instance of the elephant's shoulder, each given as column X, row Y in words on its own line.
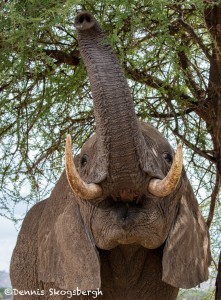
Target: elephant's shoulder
column 23, row 262
column 31, row 221
column 29, row 230
column 46, row 209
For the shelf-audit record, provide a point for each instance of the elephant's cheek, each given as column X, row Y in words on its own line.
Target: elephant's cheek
column 105, row 239
column 153, row 243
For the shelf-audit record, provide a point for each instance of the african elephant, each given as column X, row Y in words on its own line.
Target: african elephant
column 123, row 218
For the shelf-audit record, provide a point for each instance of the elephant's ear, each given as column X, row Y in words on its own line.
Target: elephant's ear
column 186, row 255
column 67, row 255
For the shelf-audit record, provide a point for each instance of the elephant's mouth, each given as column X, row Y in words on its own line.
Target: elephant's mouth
column 125, row 221
column 125, row 211
column 118, row 202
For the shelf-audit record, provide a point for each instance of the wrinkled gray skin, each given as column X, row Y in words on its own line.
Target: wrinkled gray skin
column 128, row 242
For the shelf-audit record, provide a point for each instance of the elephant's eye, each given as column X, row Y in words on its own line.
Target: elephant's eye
column 168, row 157
column 84, row 160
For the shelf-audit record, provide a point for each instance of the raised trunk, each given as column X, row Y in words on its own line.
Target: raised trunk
column 117, row 128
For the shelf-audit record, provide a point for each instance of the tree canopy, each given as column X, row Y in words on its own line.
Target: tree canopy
column 170, row 52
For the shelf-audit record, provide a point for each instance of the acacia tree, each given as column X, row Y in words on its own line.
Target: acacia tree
column 171, row 54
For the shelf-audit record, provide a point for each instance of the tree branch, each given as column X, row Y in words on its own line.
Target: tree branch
column 171, row 92
column 170, row 115
column 189, row 78
column 71, row 58
column 193, row 147
column 195, row 37
column 214, row 196
column 143, row 77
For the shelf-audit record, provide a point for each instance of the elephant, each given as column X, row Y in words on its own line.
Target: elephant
column 122, row 222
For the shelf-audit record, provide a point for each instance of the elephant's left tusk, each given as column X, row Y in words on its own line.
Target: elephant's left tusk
column 164, row 187
column 87, row 191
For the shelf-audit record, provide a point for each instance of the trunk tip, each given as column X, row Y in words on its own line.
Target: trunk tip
column 84, row 21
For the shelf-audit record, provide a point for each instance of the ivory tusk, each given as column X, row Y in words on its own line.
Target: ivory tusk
column 87, row 191
column 164, row 187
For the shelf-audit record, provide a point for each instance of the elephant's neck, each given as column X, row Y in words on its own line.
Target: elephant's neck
column 121, row 263
column 133, row 272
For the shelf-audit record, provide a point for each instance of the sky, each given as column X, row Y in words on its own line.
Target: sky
column 8, row 237
column 9, row 233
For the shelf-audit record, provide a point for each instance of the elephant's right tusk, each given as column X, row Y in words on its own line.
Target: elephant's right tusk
column 87, row 191
column 164, row 187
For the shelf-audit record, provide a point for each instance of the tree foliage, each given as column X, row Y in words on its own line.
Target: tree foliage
column 170, row 52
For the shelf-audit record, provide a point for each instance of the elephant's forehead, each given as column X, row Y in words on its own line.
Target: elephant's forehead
column 149, row 133
column 152, row 133
column 90, row 142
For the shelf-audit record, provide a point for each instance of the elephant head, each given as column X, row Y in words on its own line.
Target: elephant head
column 127, row 188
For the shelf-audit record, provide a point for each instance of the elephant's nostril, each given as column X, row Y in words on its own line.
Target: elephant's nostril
column 84, row 18
column 84, row 21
